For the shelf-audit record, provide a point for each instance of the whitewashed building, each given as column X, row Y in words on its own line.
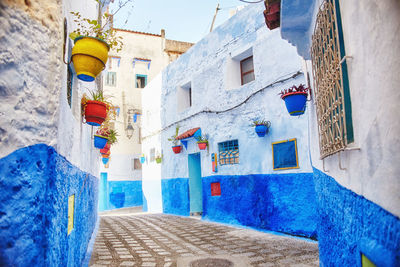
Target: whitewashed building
column 126, row 75
column 217, row 88
column 352, row 55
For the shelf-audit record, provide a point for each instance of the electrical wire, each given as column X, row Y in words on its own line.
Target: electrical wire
column 250, row 2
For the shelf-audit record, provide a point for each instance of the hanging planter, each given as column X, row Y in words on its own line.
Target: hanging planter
column 105, row 160
column 89, row 56
column 106, row 155
column 100, row 141
column 202, row 141
column 95, row 112
column 177, row 149
column 261, row 127
column 158, row 160
column 202, row 145
column 105, row 149
column 142, row 159
column 295, row 99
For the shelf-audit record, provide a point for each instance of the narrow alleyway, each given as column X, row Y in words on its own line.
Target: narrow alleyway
column 166, row 240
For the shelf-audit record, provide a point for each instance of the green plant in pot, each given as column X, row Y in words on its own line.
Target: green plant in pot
column 202, row 141
column 93, row 39
column 96, row 109
column 261, row 127
column 177, row 148
column 158, row 158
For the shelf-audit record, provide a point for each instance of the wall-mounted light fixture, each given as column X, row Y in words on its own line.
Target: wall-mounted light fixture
column 129, row 130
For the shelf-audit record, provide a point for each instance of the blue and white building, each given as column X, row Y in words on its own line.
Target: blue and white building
column 218, row 87
column 352, row 55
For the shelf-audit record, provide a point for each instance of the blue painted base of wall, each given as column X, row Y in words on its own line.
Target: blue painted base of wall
column 35, row 183
column 175, row 196
column 350, row 224
column 120, row 194
column 277, row 202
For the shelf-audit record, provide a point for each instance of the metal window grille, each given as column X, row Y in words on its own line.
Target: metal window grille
column 137, row 165
column 228, row 152
column 328, row 81
column 69, row 85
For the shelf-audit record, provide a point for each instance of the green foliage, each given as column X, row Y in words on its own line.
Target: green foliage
column 261, row 122
column 112, row 136
column 95, row 28
column 173, row 137
column 202, row 138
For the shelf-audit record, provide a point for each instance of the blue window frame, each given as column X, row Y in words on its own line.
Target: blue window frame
column 284, row 155
column 228, row 152
column 141, row 80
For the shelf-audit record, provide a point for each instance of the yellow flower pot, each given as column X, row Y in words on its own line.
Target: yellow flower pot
column 89, row 56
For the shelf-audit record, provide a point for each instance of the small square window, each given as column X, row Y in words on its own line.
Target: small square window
column 247, row 70
column 228, row 152
column 141, row 81
column 184, row 97
column 136, row 164
column 111, row 79
column 284, row 155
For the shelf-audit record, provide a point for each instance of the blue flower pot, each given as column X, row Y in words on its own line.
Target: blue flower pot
column 261, row 130
column 100, row 141
column 142, row 159
column 105, row 160
column 295, row 103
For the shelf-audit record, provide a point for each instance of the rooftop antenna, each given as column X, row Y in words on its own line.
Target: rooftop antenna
column 215, row 15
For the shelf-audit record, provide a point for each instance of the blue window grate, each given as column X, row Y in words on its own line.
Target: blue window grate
column 228, row 152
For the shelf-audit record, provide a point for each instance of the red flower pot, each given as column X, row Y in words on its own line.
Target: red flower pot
column 177, row 149
column 202, row 146
column 95, row 112
column 106, row 149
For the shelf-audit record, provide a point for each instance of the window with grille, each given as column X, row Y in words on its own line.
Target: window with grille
column 331, row 85
column 69, row 85
column 141, row 81
column 247, row 70
column 228, row 152
column 111, row 79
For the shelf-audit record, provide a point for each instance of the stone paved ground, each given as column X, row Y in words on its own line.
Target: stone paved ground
column 166, row 240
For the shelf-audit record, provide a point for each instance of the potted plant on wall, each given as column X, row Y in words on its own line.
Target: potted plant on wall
column 176, row 147
column 295, row 99
column 95, row 108
column 158, row 158
column 142, row 159
column 92, row 41
column 261, row 127
column 101, row 138
column 111, row 139
column 202, row 141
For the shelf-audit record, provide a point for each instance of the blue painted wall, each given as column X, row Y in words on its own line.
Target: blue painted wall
column 349, row 223
column 35, row 183
column 120, row 194
column 277, row 202
column 175, row 196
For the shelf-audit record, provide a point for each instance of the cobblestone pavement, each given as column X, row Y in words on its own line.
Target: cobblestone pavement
column 166, row 240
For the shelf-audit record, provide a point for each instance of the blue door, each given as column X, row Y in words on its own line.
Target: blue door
column 195, row 186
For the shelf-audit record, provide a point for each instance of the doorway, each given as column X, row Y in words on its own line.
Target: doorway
column 195, row 185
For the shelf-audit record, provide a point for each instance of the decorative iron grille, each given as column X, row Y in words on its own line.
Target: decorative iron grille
column 228, row 152
column 328, row 81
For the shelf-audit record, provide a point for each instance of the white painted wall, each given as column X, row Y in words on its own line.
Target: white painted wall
column 33, row 78
column 151, row 126
column 372, row 37
column 206, row 66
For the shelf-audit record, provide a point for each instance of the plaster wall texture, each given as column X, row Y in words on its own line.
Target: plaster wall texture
column 372, row 37
column 33, row 85
column 151, row 123
column 205, row 67
column 35, row 184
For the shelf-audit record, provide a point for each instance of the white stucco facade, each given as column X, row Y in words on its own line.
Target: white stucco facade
column 143, row 55
column 222, row 107
column 34, row 92
column 372, row 37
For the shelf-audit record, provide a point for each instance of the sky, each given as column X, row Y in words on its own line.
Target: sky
column 183, row 20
